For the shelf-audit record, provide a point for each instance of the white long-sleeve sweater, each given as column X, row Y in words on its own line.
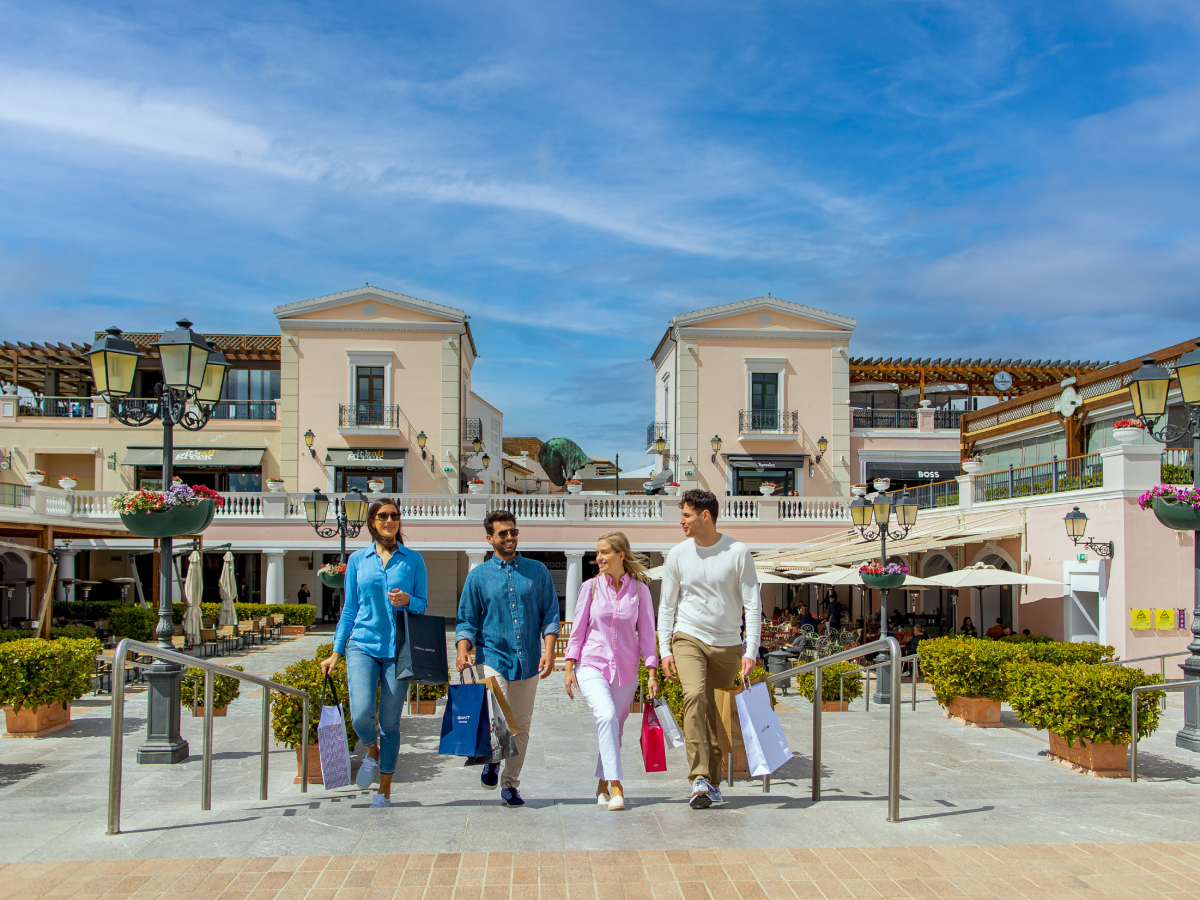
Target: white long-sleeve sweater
column 704, row 593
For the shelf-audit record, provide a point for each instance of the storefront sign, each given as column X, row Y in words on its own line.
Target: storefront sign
column 1143, row 619
column 1164, row 619
column 192, row 455
column 364, row 455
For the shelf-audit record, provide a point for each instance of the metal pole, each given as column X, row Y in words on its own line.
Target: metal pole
column 882, row 681
column 729, row 765
column 816, row 740
column 264, row 752
column 116, row 737
column 867, row 693
column 841, row 690
column 304, row 746
column 1133, row 737
column 206, row 771
column 894, row 736
column 1189, row 736
column 914, row 684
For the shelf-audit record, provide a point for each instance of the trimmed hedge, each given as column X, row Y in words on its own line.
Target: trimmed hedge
column 36, row 673
column 830, row 683
column 293, row 613
column 967, row 667
column 75, row 632
column 287, row 710
column 1081, row 701
column 1060, row 654
column 226, row 688
column 1027, row 639
column 134, row 622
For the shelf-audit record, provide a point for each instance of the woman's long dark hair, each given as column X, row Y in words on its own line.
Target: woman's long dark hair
column 371, row 513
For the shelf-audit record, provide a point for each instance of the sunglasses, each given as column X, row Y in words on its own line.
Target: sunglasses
column 506, row 532
column 387, row 517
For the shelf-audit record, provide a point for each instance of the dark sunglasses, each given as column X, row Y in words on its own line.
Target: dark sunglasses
column 388, row 517
column 506, row 532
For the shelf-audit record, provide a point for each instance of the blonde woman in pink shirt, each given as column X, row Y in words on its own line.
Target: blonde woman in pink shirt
column 613, row 630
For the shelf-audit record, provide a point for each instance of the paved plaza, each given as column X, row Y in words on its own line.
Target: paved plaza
column 979, row 797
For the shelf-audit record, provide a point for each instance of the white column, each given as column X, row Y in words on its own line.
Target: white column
column 475, row 558
column 274, row 586
column 66, row 569
column 574, row 580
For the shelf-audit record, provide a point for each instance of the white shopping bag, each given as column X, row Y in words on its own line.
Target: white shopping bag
column 766, row 747
column 331, row 741
column 670, row 728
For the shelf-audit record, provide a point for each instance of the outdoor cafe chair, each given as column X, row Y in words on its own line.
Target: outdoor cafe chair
column 277, row 626
column 210, row 643
column 229, row 638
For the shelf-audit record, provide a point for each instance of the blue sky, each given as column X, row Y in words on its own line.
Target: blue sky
column 964, row 178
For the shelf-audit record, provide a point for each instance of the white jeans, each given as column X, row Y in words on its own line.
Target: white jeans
column 610, row 706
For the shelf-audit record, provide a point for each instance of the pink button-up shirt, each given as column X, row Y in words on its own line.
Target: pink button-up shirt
column 613, row 629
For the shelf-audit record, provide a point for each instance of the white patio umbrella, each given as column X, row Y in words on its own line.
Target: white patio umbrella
column 193, row 590
column 851, row 576
column 981, row 576
column 227, row 587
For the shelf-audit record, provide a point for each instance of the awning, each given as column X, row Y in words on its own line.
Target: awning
column 197, row 457
column 663, row 478
column 913, row 472
column 767, row 460
column 366, row 459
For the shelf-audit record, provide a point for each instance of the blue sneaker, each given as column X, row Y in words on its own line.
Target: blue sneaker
column 367, row 773
column 490, row 776
column 510, row 796
column 380, row 802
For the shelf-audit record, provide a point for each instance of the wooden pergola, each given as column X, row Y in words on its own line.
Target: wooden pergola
column 974, row 374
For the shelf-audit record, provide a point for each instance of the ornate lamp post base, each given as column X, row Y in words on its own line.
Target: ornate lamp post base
column 883, row 685
column 164, row 745
column 1188, row 737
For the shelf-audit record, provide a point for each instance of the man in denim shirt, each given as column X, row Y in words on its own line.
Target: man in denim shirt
column 509, row 614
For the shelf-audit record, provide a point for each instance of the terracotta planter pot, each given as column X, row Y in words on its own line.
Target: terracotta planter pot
column 977, row 711
column 835, row 705
column 30, row 723
column 422, row 707
column 740, row 769
column 292, row 630
column 1098, row 760
column 314, row 766
column 198, row 711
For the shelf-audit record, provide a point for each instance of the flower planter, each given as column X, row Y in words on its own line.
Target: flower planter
column 334, row 581
column 1127, row 435
column 476, row 488
column 978, row 712
column 858, row 490
column 375, row 487
column 574, row 488
column 972, row 467
column 881, row 484
column 172, row 522
column 67, row 484
column 1179, row 516
column 31, row 723
column 835, row 705
column 34, row 479
column 198, row 711
column 671, row 489
column 274, row 486
column 1097, row 760
column 766, row 491
column 292, row 630
column 883, row 582
column 314, row 764
column 422, row 707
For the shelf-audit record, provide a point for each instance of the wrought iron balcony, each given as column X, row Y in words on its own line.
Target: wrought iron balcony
column 885, row 418
column 656, row 431
column 774, row 421
column 472, row 430
column 56, row 407
column 947, row 418
column 368, row 415
column 259, row 410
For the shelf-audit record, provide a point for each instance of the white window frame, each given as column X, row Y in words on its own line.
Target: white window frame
column 767, row 366
column 369, row 359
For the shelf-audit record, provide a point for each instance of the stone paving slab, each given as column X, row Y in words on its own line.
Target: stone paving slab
column 959, row 786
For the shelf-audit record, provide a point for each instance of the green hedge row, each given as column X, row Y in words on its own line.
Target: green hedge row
column 293, row 613
column 75, row 632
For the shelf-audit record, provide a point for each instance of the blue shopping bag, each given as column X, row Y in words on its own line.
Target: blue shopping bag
column 466, row 726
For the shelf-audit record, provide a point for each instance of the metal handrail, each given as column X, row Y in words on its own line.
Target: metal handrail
column 117, row 738
column 867, row 685
column 893, row 648
column 1133, row 726
column 1162, row 667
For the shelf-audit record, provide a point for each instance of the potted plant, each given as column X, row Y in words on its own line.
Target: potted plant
column 1128, row 431
column 39, row 679
column 287, row 710
column 833, row 697
column 35, row 476
column 1175, row 507
column 226, row 689
column 881, row 484
column 968, row 676
column 179, row 509
column 332, row 574
column 476, row 486
column 274, row 484
column 375, row 485
column 671, row 487
column 574, row 486
column 880, row 576
column 767, row 488
column 972, row 465
column 68, row 482
column 1086, row 710
column 858, row 490
column 425, row 703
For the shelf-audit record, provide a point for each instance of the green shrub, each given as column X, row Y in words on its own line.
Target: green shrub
column 134, row 622
column 1060, row 654
column 293, row 613
column 323, row 651
column 965, row 667
column 1176, row 474
column 1027, row 639
column 75, row 632
column 287, row 711
column 35, row 672
column 831, row 682
column 432, row 691
column 226, row 688
column 1079, row 701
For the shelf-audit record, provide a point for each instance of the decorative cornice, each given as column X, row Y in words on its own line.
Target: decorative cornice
column 836, row 336
column 390, row 298
column 355, row 325
column 785, row 307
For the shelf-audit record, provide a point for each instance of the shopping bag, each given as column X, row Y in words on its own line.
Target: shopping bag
column 504, row 745
column 493, row 686
column 332, row 744
column 729, row 732
column 671, row 732
column 466, row 730
column 421, row 648
column 654, row 747
column 766, row 746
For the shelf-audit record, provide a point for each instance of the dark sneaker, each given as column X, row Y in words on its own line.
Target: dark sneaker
column 701, row 799
column 511, row 797
column 490, row 776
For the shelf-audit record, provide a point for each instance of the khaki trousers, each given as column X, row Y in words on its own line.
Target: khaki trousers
column 520, row 696
column 703, row 669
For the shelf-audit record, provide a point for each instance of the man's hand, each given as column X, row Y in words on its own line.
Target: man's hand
column 668, row 666
column 546, row 663
column 462, row 658
column 747, row 666
column 330, row 663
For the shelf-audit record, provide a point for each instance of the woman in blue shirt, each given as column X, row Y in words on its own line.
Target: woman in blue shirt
column 380, row 579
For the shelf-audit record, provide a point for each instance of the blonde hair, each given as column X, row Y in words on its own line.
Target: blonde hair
column 636, row 564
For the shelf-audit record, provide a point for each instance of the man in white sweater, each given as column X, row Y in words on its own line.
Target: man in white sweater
column 708, row 583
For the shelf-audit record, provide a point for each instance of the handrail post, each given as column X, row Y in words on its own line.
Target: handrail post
column 116, row 736
column 1133, row 736
column 816, row 740
column 841, row 690
column 264, row 752
column 304, row 746
column 914, row 684
column 867, row 695
column 206, row 771
column 1011, row 483
column 894, row 735
column 1054, row 475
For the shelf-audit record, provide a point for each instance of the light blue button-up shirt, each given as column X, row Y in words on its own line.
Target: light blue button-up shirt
column 367, row 615
column 505, row 610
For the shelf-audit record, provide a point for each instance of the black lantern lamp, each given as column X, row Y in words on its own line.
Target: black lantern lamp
column 114, row 364
column 660, row 444
column 1076, row 521
column 906, row 511
column 860, row 512
column 184, row 356
column 476, row 445
column 309, row 437
column 486, row 460
column 316, row 508
column 214, row 376
column 882, row 507
column 421, row 439
column 715, row 443
column 1187, row 370
column 1148, row 390
column 356, row 506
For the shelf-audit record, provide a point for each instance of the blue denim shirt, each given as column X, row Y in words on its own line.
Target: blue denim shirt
column 505, row 610
column 367, row 615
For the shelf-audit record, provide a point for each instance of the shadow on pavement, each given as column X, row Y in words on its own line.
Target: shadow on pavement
column 12, row 773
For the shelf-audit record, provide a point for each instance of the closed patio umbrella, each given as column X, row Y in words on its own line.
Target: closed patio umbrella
column 193, row 591
column 227, row 587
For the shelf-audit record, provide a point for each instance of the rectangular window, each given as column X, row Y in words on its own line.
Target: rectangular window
column 764, row 400
column 369, row 384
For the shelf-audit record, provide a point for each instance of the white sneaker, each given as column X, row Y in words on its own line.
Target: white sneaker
column 366, row 773
column 701, row 798
column 714, row 792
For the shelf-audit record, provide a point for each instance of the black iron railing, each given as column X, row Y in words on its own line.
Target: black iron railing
column 778, row 421
column 1177, row 466
column 472, row 430
column 947, row 418
column 1072, row 474
column 15, row 495
column 360, row 415
column 244, row 409
column 656, row 431
column 57, row 407
column 931, row 496
column 885, row 418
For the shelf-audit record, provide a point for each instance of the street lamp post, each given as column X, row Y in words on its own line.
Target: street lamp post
column 193, row 378
column 349, row 515
column 1148, row 389
column 861, row 511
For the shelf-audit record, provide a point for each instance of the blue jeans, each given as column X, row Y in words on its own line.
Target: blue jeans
column 366, row 675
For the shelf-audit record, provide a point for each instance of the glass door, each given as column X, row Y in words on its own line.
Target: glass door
column 368, row 394
column 764, row 401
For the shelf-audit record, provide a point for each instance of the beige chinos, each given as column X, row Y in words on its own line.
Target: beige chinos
column 520, row 696
column 703, row 669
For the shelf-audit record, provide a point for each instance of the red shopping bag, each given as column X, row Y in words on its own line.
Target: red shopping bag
column 654, row 745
